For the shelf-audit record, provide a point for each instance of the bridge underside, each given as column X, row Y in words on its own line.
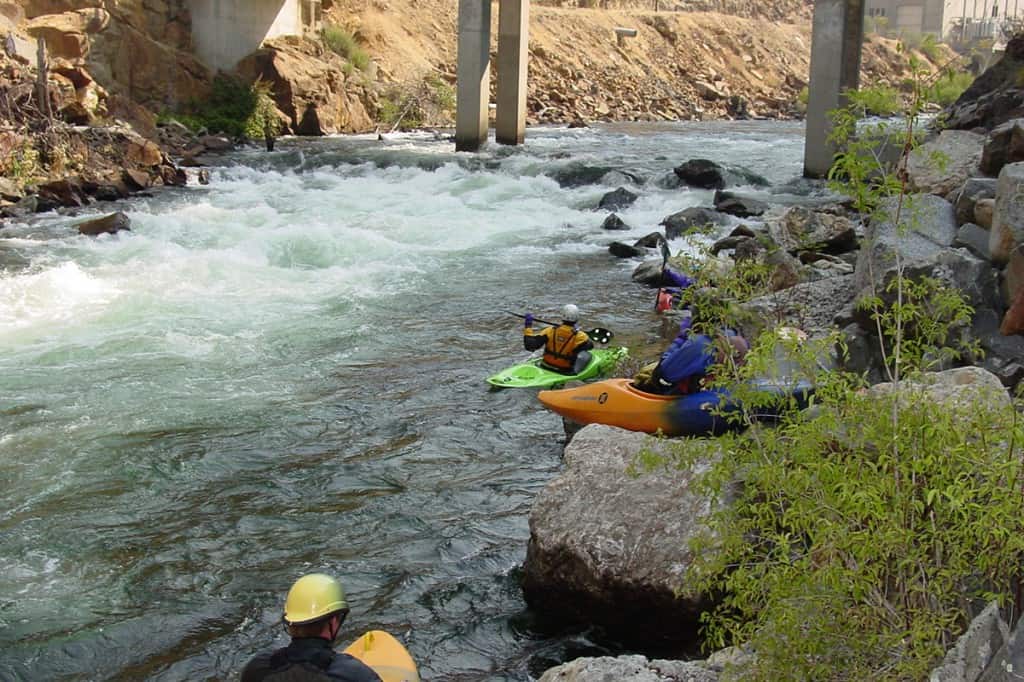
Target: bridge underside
column 224, row 31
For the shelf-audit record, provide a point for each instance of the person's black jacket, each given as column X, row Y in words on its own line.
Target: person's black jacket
column 308, row 659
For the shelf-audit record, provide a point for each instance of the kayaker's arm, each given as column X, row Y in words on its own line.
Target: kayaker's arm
column 534, row 340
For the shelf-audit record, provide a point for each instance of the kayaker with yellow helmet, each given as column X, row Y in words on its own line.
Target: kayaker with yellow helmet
column 566, row 346
column 313, row 611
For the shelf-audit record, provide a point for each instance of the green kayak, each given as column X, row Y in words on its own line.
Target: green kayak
column 532, row 375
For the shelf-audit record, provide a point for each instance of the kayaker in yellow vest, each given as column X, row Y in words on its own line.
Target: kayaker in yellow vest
column 566, row 347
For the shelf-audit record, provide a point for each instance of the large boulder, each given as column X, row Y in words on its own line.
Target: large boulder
column 633, row 668
column 707, row 174
column 956, row 269
column 702, row 173
column 680, row 222
column 610, row 547
column 1005, row 145
column 963, row 390
column 618, row 198
column 925, row 226
column 108, row 224
column 959, row 151
column 738, row 205
column 975, row 650
column 309, row 86
column 1003, row 354
column 803, row 229
column 67, row 34
column 1008, row 216
column 811, row 306
column 1013, row 321
column 971, row 192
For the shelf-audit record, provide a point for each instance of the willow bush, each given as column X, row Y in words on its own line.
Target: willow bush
column 233, row 108
column 849, row 540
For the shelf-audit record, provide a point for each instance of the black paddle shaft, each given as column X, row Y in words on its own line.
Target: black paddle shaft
column 597, row 334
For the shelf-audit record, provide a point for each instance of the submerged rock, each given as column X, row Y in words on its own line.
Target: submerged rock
column 634, row 668
column 109, row 224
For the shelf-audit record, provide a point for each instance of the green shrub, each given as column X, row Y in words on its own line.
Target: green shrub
column 344, row 44
column 428, row 101
column 881, row 100
column 21, row 162
column 948, row 88
column 233, row 108
column 929, row 47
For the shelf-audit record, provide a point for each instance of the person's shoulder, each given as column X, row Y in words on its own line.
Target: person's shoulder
column 256, row 667
column 350, row 669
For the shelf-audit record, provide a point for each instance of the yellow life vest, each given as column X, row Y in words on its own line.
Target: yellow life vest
column 560, row 348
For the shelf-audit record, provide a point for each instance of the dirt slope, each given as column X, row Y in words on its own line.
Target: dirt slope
column 681, row 65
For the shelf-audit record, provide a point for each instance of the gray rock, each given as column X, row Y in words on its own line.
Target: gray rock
column 942, row 165
column 620, row 250
column 974, row 239
column 1013, row 277
column 617, row 199
column 972, row 190
column 611, row 548
column 956, row 269
column 802, row 229
column 1003, row 354
column 737, row 205
column 679, row 223
column 653, row 240
column 983, row 211
column 633, row 668
column 811, row 306
column 1005, row 145
column 614, row 222
column 1008, row 216
column 1008, row 661
column 216, row 143
column 108, row 224
column 863, row 354
column 963, row 389
column 9, row 190
column 926, row 225
column 974, row 651
column 702, row 173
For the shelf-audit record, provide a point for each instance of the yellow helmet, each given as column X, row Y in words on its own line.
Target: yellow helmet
column 313, row 597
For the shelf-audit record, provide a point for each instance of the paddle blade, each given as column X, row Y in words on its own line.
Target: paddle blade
column 600, row 335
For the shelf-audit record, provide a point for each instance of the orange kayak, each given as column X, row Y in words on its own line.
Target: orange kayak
column 616, row 402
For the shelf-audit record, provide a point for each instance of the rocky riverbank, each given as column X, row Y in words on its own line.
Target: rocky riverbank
column 612, row 548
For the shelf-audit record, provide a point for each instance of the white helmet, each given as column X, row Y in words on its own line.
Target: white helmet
column 570, row 313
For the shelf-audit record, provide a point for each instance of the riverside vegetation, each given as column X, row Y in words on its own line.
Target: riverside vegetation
column 851, row 540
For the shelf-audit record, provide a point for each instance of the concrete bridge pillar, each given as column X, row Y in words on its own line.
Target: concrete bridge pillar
column 838, row 32
column 513, row 51
column 472, row 88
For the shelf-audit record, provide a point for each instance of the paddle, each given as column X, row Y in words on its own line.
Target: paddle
column 665, row 253
column 597, row 334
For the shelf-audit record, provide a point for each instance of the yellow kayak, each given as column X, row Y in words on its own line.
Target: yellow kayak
column 386, row 656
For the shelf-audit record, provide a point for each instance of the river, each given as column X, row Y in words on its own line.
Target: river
column 282, row 372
